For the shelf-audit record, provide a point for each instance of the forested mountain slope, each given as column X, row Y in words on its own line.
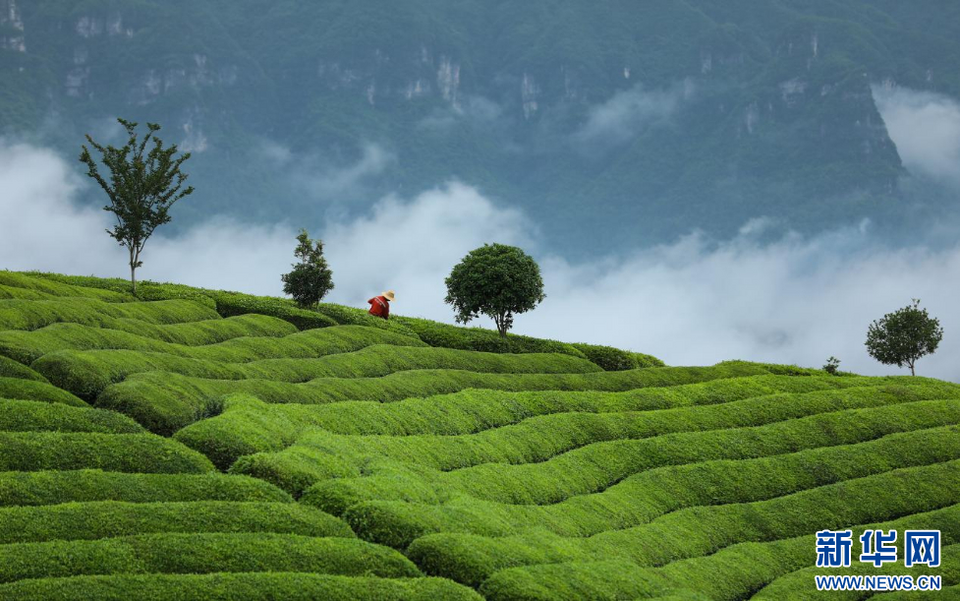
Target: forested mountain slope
column 639, row 120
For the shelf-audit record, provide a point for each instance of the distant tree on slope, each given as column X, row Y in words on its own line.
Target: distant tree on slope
column 902, row 337
column 311, row 279
column 141, row 188
column 496, row 280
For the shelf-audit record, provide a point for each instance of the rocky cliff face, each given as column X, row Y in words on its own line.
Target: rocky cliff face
column 11, row 27
column 640, row 119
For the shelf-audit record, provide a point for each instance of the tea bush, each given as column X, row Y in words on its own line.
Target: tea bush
column 650, row 496
column 575, row 473
column 103, row 519
column 13, row 280
column 759, row 564
column 318, row 456
column 10, row 368
column 243, row 586
column 248, row 425
column 87, row 373
column 31, row 315
column 236, row 340
column 36, row 416
column 695, row 532
column 176, row 553
column 613, row 359
column 523, row 467
column 166, row 402
column 54, row 487
column 26, row 451
column 478, row 339
column 34, row 390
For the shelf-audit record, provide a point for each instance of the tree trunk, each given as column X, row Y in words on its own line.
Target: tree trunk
column 133, row 272
column 501, row 322
column 912, row 372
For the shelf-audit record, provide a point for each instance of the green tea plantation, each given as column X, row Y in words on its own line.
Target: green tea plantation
column 197, row 444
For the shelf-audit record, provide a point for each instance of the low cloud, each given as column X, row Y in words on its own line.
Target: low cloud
column 694, row 302
column 798, row 300
column 43, row 228
column 398, row 243
column 323, row 179
column 410, row 246
column 926, row 129
column 627, row 113
column 38, row 222
column 338, row 180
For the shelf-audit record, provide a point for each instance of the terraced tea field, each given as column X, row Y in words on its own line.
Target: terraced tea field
column 210, row 445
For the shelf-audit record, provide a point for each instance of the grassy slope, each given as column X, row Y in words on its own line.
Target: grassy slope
column 533, row 474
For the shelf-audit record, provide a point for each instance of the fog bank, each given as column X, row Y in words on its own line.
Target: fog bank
column 695, row 301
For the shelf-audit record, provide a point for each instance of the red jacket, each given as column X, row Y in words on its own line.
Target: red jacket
column 380, row 307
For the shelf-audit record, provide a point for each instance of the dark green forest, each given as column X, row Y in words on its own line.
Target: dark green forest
column 610, row 123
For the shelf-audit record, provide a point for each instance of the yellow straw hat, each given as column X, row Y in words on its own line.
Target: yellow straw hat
column 388, row 295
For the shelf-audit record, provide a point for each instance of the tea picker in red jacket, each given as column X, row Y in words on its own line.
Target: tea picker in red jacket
column 380, row 305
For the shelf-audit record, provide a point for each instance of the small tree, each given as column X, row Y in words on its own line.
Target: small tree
column 311, row 279
column 141, row 188
column 832, row 365
column 496, row 280
column 904, row 336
